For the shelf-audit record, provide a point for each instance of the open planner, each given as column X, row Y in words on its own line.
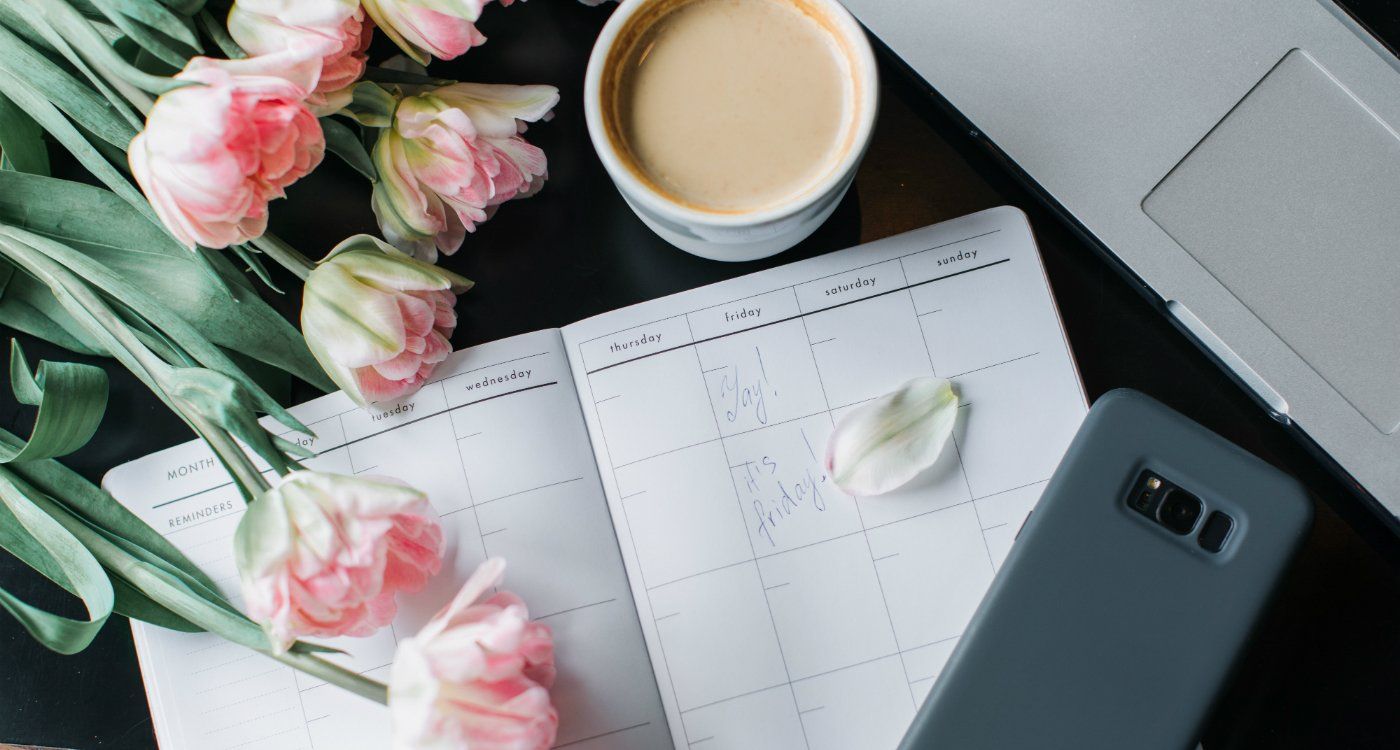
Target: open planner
column 654, row 478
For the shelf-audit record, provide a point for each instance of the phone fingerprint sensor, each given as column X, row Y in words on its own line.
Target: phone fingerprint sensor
column 1215, row 532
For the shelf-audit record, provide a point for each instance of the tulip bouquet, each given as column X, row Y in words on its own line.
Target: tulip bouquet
column 179, row 122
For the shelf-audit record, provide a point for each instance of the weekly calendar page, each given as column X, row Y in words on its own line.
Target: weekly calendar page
column 654, row 478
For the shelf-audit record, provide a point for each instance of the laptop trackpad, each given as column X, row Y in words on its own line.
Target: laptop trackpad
column 1293, row 203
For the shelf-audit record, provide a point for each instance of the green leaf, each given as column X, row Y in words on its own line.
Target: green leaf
column 71, row 398
column 94, row 506
column 345, row 143
column 34, row 102
column 27, row 305
column 104, row 228
column 21, row 140
column 80, row 33
column 218, row 34
column 153, row 16
column 230, row 404
column 149, row 307
column 112, row 123
column 77, row 567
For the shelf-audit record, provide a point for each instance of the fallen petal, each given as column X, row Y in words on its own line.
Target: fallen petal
column 882, row 445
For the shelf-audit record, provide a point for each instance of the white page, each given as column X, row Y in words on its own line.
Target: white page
column 498, row 443
column 779, row 612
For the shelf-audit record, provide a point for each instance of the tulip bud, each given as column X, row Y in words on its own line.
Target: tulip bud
column 334, row 31
column 882, row 445
column 476, row 676
column 425, row 29
column 378, row 320
column 212, row 156
column 450, row 155
column 324, row 554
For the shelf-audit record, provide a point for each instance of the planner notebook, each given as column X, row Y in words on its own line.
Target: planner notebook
column 654, row 478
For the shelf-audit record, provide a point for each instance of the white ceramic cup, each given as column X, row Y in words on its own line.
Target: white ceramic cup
column 762, row 232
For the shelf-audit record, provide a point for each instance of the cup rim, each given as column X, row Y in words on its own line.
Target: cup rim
column 635, row 189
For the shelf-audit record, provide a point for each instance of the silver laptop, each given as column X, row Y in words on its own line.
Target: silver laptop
column 1241, row 158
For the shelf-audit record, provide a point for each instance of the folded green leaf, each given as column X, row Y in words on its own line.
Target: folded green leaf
column 71, row 398
column 78, row 568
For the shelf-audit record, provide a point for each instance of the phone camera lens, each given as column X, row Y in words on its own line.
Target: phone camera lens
column 1179, row 511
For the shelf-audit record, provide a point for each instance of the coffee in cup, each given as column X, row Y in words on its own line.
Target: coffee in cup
column 732, row 127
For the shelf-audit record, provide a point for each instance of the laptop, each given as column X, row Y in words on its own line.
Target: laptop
column 1241, row 159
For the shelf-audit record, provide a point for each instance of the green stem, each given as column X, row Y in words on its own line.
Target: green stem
column 336, row 675
column 286, row 256
column 244, row 473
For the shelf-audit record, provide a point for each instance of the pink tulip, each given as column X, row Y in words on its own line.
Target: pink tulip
column 324, row 554
column 476, row 676
column 377, row 320
column 450, row 155
column 213, row 155
column 337, row 30
column 425, row 29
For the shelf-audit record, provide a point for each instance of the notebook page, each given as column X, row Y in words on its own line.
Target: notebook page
column 779, row 612
column 498, row 443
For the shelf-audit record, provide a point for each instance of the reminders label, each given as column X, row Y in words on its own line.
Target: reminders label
column 743, row 314
column 635, row 343
column 846, row 287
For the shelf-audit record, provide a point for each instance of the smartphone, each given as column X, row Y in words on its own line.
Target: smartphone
column 1127, row 596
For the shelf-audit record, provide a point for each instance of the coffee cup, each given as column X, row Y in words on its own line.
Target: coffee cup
column 731, row 127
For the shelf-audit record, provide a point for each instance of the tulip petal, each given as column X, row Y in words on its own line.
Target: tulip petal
column 884, row 444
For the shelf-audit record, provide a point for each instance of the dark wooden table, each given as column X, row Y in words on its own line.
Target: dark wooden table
column 1324, row 668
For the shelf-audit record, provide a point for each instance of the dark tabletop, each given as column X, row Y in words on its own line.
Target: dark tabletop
column 1323, row 670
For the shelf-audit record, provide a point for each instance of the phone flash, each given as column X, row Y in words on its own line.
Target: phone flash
column 1154, row 483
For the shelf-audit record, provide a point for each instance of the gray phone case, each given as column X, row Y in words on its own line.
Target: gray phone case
column 1104, row 629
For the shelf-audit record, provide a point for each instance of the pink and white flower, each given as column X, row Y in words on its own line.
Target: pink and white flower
column 212, row 156
column 476, row 676
column 425, row 29
column 335, row 31
column 377, row 320
column 324, row 555
column 451, row 155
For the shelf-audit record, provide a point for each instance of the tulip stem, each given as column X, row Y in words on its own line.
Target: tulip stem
column 244, row 473
column 366, row 687
column 285, row 255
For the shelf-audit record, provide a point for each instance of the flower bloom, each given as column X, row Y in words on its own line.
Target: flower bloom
column 212, row 156
column 378, row 320
column 887, row 442
column 337, row 30
column 425, row 29
column 323, row 554
column 476, row 676
column 450, row 155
